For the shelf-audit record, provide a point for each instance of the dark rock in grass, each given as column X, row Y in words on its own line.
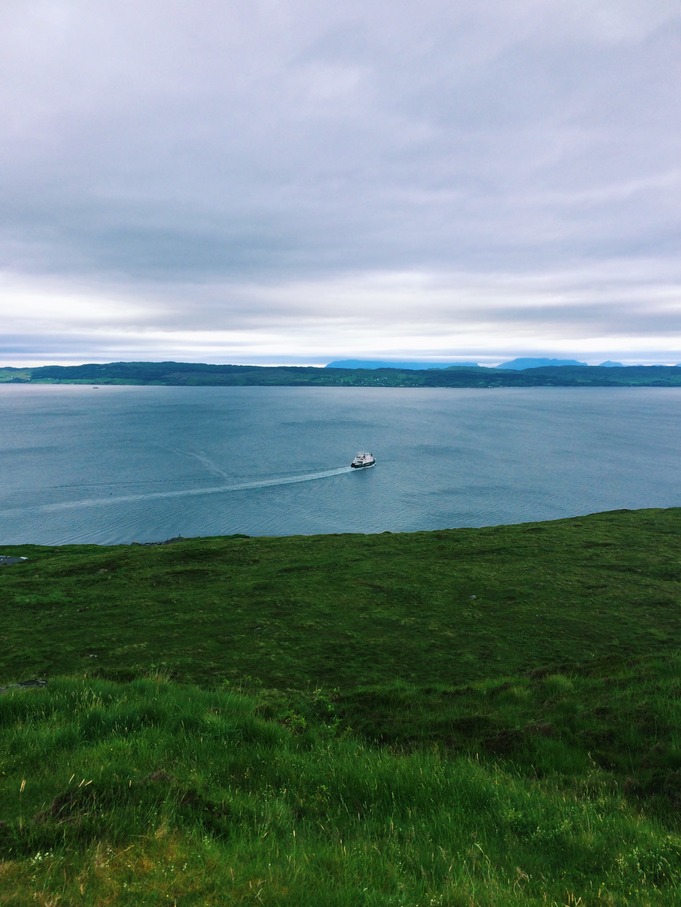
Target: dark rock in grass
column 24, row 685
column 7, row 560
column 177, row 538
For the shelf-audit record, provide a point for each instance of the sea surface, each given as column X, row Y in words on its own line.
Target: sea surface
column 121, row 464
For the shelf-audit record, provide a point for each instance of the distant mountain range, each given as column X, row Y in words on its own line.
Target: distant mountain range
column 521, row 364
column 518, row 364
column 384, row 363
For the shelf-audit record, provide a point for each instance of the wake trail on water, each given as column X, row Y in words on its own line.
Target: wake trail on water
column 188, row 492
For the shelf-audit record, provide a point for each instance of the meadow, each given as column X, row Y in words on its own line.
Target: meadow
column 460, row 717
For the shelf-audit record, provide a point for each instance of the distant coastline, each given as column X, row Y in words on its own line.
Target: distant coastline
column 472, row 376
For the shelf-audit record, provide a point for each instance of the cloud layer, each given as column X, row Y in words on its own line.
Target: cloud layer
column 290, row 180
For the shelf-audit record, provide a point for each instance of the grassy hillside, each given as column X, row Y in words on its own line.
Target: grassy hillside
column 462, row 717
column 336, row 611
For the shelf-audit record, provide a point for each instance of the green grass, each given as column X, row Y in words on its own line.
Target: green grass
column 469, row 717
column 154, row 792
column 336, row 611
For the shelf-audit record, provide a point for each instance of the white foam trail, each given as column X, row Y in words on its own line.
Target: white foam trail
column 184, row 492
column 205, row 461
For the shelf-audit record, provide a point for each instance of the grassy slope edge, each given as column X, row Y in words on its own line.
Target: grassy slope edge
column 459, row 717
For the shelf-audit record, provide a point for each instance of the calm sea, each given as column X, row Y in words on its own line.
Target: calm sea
column 123, row 464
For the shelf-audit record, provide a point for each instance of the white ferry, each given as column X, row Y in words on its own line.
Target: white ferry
column 362, row 460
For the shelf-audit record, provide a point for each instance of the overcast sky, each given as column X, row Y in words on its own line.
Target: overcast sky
column 295, row 181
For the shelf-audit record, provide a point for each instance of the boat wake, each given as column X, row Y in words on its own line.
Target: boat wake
column 186, row 492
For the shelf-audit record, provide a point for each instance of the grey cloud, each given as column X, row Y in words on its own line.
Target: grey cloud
column 198, row 155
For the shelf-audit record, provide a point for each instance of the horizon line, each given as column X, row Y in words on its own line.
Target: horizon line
column 385, row 363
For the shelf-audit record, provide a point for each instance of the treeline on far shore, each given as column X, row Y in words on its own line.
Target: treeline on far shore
column 203, row 374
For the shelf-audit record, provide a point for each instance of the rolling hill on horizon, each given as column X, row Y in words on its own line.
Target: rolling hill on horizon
column 211, row 374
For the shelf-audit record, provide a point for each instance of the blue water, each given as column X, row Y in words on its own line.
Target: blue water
column 123, row 464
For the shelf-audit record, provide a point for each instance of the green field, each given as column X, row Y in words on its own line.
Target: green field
column 463, row 717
